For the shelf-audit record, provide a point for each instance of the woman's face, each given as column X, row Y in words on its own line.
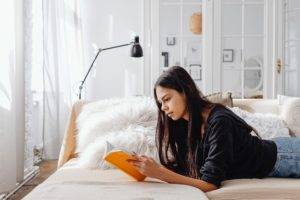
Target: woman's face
column 173, row 103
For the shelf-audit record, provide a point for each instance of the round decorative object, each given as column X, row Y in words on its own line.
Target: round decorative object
column 196, row 23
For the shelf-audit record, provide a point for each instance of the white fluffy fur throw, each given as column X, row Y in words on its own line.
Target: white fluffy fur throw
column 267, row 125
column 130, row 124
column 127, row 124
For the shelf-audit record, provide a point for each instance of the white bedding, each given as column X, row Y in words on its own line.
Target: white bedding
column 73, row 183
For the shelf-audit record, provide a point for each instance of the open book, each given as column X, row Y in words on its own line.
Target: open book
column 118, row 159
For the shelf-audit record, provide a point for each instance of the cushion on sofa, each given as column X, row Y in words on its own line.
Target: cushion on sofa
column 223, row 98
column 257, row 105
column 267, row 188
column 74, row 183
column 290, row 113
column 267, row 125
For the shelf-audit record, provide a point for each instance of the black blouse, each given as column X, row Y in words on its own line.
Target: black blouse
column 229, row 151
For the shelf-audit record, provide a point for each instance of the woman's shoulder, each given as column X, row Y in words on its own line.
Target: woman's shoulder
column 223, row 116
column 220, row 113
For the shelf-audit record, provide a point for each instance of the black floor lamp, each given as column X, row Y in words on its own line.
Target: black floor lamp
column 136, row 51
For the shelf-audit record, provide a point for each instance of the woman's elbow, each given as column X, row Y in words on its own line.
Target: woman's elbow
column 211, row 188
column 208, row 187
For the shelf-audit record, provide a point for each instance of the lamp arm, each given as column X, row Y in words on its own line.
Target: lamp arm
column 113, row 47
column 99, row 50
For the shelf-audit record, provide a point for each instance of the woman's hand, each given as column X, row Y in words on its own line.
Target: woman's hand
column 150, row 168
column 146, row 166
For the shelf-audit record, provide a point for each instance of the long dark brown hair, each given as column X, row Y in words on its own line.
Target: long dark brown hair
column 177, row 141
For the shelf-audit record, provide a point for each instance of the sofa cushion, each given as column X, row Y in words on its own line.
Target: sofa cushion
column 267, row 188
column 290, row 113
column 74, row 183
column 257, row 105
column 267, row 125
column 223, row 98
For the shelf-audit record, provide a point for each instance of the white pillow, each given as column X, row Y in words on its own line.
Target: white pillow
column 267, row 125
column 290, row 113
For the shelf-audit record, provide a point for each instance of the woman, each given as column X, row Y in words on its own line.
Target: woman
column 202, row 144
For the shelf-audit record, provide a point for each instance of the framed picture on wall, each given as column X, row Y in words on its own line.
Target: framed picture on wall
column 196, row 71
column 194, row 51
column 171, row 41
column 228, row 55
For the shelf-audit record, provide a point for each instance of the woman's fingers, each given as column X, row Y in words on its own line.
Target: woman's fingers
column 138, row 159
column 135, row 156
column 144, row 157
column 137, row 163
column 132, row 160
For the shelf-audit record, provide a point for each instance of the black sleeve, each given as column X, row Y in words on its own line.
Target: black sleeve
column 220, row 153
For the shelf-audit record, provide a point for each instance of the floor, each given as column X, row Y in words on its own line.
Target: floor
column 47, row 167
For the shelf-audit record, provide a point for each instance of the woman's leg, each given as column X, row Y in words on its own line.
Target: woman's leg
column 288, row 157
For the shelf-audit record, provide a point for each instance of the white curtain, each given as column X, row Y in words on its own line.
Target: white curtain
column 63, row 68
column 29, row 64
column 55, row 70
column 11, row 90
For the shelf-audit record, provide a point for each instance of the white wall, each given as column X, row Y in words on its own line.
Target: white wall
column 107, row 24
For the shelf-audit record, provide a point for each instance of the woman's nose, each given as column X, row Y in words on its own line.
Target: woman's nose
column 163, row 107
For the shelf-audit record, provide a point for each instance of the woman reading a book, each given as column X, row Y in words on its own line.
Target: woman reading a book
column 201, row 143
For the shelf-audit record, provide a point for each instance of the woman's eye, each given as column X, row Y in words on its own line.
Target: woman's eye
column 167, row 99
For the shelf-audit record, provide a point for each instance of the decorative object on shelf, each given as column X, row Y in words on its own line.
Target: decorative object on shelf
column 171, row 41
column 196, row 71
column 228, row 55
column 196, row 23
column 136, row 51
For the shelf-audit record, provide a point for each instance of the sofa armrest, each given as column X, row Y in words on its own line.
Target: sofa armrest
column 67, row 150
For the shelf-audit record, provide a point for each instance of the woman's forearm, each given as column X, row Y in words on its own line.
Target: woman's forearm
column 172, row 177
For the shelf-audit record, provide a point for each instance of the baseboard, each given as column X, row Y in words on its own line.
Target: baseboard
column 27, row 178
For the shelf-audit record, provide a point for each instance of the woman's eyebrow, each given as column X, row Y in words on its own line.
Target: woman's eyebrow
column 162, row 97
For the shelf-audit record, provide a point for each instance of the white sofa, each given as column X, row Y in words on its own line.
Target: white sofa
column 69, row 182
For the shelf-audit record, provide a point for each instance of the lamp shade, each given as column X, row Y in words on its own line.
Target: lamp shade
column 136, row 50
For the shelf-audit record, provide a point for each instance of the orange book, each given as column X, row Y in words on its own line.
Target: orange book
column 118, row 159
